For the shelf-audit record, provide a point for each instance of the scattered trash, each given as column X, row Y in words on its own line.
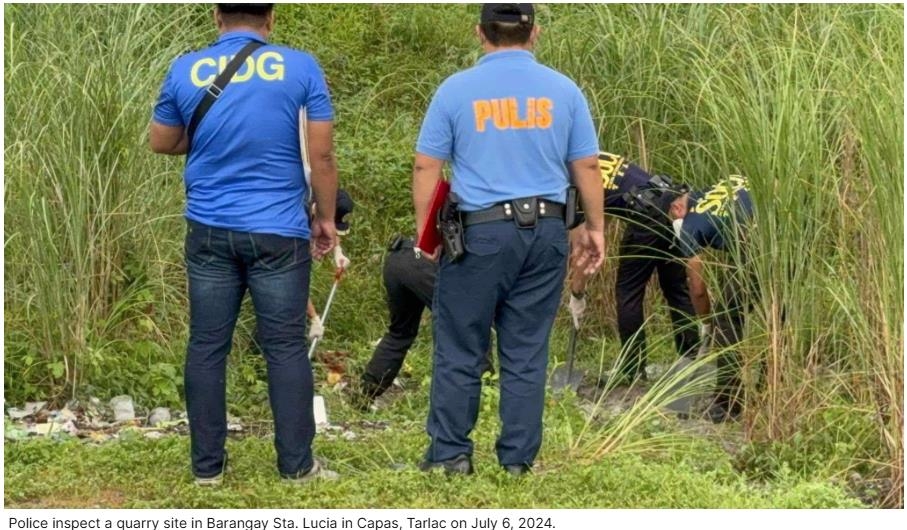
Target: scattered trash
column 63, row 416
column 123, row 409
column 52, row 428
column 31, row 408
column 234, row 424
column 159, row 416
column 349, row 435
column 321, row 413
column 154, row 435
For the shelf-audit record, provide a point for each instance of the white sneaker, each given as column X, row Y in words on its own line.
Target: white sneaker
column 208, row 482
column 318, row 471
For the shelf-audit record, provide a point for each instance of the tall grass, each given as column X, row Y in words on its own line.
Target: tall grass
column 91, row 222
column 806, row 101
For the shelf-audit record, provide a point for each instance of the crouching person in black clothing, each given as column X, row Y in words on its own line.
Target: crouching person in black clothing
column 410, row 285
column 642, row 201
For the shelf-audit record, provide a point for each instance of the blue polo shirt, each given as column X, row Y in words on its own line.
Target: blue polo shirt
column 508, row 126
column 245, row 170
column 717, row 218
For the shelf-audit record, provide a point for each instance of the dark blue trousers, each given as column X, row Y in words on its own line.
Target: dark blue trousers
column 222, row 265
column 511, row 278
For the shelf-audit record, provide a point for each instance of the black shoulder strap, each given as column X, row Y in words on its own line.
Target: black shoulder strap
column 217, row 87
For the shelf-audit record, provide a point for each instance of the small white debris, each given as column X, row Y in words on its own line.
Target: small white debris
column 321, row 413
column 158, row 416
column 63, row 416
column 123, row 409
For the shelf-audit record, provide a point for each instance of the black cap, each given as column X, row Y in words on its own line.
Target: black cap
column 249, row 9
column 344, row 207
column 507, row 13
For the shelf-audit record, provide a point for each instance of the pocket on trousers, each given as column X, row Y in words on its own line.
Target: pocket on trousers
column 482, row 245
column 482, row 250
column 559, row 248
column 274, row 252
column 197, row 247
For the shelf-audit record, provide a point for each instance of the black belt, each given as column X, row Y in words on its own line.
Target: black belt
column 399, row 242
column 505, row 211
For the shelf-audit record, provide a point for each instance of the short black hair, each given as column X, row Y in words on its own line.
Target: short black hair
column 507, row 24
column 507, row 33
column 245, row 14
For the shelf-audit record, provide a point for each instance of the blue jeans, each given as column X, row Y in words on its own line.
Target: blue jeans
column 221, row 265
column 510, row 277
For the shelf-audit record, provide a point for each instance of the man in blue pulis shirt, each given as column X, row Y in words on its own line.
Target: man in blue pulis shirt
column 514, row 133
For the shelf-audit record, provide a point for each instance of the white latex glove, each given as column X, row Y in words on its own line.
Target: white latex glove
column 705, row 339
column 577, row 308
column 316, row 328
column 340, row 261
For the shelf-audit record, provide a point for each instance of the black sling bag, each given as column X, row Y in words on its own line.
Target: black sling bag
column 215, row 89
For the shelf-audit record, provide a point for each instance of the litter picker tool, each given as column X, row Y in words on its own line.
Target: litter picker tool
column 327, row 307
column 318, row 408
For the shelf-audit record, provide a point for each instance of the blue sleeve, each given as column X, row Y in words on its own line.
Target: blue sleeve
column 436, row 135
column 692, row 237
column 166, row 110
column 318, row 98
column 583, row 141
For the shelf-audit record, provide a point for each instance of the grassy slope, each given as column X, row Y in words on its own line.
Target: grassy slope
column 679, row 71
column 134, row 472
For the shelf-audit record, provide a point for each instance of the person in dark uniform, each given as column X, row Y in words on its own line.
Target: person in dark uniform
column 409, row 283
column 514, row 132
column 642, row 201
column 719, row 218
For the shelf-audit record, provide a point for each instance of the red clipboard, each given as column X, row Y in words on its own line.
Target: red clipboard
column 431, row 238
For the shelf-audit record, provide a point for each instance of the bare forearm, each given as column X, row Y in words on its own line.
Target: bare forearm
column 699, row 293
column 701, row 304
column 426, row 174
column 587, row 178
column 324, row 185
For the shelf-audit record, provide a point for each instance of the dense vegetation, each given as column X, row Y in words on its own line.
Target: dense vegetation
column 807, row 101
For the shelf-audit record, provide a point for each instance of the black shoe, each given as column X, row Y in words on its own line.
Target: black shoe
column 615, row 379
column 362, row 396
column 461, row 465
column 722, row 412
column 518, row 470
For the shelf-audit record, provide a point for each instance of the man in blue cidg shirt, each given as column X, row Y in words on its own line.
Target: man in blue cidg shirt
column 248, row 227
column 513, row 132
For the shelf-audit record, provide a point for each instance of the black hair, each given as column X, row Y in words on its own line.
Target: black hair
column 245, row 14
column 507, row 33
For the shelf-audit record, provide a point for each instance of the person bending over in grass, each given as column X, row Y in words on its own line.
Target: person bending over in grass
column 719, row 218
column 641, row 200
column 409, row 283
